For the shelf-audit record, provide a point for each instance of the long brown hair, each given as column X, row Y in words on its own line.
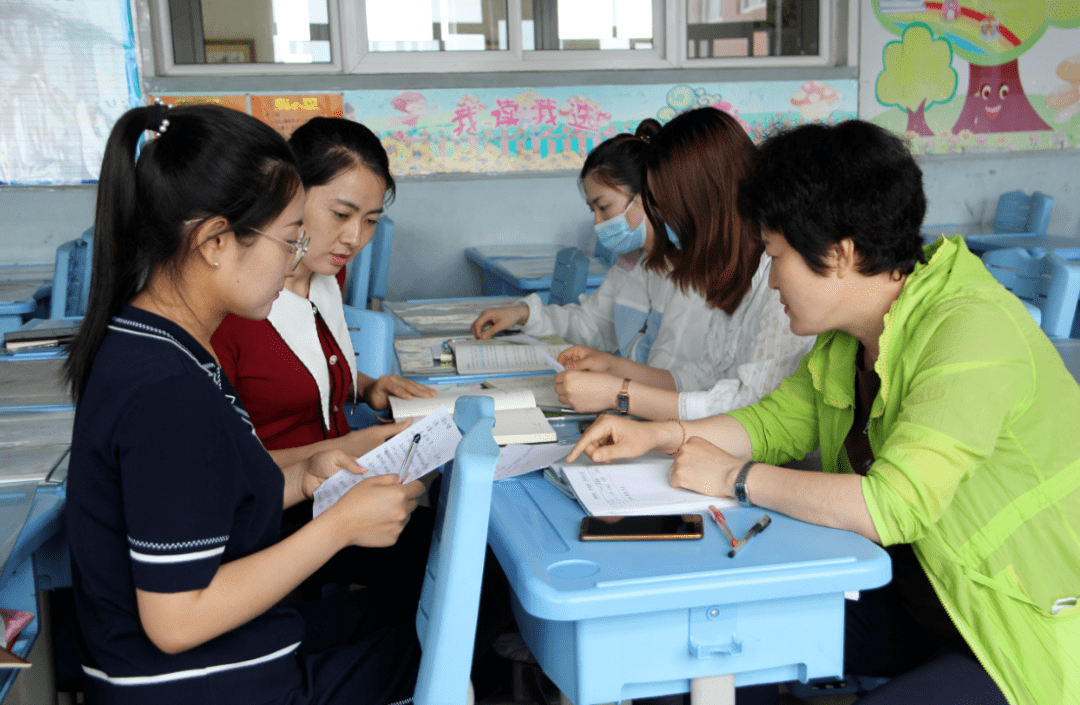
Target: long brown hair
column 692, row 183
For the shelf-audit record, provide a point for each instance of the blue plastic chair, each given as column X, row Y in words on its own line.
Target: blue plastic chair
column 570, row 278
column 369, row 271
column 1018, row 212
column 71, row 276
column 1049, row 286
column 450, row 598
column 372, row 335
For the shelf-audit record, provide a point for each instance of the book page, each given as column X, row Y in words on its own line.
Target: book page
column 632, row 487
column 510, row 399
column 472, row 358
column 517, row 460
column 541, row 386
column 522, row 426
column 439, row 437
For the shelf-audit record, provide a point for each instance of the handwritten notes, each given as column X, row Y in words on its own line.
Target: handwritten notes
column 439, row 437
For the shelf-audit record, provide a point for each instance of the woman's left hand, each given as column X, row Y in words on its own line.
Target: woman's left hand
column 704, row 468
column 378, row 392
column 588, row 391
column 323, row 465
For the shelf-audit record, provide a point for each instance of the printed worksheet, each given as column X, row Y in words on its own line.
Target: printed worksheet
column 439, row 437
column 517, row 460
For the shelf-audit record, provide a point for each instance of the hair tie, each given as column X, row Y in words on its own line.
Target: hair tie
column 156, row 121
column 645, row 138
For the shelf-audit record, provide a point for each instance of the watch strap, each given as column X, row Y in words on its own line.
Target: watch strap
column 623, row 398
column 741, row 495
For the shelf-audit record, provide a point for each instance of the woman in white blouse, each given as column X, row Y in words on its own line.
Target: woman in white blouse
column 692, row 177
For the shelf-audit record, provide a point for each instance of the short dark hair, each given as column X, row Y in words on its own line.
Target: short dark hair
column 325, row 147
column 818, row 184
column 693, row 171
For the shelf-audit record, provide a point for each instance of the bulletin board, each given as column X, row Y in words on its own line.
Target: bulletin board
column 965, row 76
column 69, row 72
column 523, row 129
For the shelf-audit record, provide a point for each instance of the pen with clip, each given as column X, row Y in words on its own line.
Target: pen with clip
column 756, row 529
column 718, row 517
column 403, row 472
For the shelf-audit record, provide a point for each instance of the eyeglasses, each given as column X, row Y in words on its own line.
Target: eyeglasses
column 297, row 249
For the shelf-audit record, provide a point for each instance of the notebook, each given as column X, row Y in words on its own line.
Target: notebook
column 517, row 418
column 492, row 356
column 629, row 487
column 42, row 332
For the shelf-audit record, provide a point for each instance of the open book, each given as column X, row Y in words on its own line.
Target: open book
column 517, row 418
column 491, row 356
column 629, row 487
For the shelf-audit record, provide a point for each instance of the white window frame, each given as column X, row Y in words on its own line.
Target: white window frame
column 350, row 55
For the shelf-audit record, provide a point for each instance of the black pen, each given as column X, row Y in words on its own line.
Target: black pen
column 756, row 529
column 402, row 473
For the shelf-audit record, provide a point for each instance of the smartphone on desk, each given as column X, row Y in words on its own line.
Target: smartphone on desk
column 656, row 527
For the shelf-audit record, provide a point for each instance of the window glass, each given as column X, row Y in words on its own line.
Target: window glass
column 250, row 31
column 586, row 24
column 436, row 25
column 739, row 28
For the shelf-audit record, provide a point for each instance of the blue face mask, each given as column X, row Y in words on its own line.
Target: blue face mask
column 616, row 234
column 673, row 237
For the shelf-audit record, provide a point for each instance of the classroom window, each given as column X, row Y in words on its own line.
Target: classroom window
column 739, row 29
column 250, row 31
column 222, row 37
column 436, row 25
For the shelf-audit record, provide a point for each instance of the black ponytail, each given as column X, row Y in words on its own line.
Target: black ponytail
column 207, row 161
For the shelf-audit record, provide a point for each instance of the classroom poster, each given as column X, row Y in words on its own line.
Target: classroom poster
column 285, row 113
column 523, row 129
column 973, row 75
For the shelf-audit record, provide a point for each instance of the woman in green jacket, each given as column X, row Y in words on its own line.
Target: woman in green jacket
column 946, row 422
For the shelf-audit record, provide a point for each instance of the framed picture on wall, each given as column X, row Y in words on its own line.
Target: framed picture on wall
column 230, row 51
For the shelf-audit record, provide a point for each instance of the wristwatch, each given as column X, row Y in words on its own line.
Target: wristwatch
column 740, row 485
column 623, row 404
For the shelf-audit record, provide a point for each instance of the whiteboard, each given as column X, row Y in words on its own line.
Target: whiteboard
column 67, row 73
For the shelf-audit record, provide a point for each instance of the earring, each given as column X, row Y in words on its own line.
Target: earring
column 217, row 264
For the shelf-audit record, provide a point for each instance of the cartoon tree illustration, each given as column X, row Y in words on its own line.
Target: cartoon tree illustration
column 918, row 73
column 990, row 35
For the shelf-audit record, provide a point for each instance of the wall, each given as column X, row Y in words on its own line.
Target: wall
column 437, row 218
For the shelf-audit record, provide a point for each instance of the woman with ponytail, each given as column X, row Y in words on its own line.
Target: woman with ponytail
column 174, row 506
column 691, row 185
column 638, row 312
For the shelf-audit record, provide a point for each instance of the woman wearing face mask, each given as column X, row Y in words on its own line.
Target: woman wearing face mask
column 692, row 170
column 638, row 312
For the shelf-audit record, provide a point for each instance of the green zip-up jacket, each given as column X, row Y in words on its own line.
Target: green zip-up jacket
column 976, row 439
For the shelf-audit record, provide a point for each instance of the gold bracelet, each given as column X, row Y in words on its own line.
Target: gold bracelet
column 676, row 451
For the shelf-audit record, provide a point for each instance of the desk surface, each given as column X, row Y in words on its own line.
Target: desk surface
column 28, row 381
column 534, row 533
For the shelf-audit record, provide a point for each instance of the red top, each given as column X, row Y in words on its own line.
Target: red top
column 275, row 387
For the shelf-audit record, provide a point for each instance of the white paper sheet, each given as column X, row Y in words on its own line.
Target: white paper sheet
column 439, row 437
column 517, row 460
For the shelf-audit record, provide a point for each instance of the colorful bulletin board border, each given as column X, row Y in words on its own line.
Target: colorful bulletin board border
column 507, row 130
column 284, row 113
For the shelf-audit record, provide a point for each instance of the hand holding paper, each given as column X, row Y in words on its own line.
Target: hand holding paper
column 439, row 437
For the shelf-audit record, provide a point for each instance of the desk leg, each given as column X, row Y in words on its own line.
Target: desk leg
column 713, row 690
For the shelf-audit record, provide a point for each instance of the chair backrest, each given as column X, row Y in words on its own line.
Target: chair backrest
column 1018, row 212
column 1049, row 284
column 447, row 615
column 570, row 278
column 604, row 254
column 369, row 270
column 71, row 276
column 372, row 334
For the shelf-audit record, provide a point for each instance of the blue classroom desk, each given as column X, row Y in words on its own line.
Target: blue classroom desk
column 611, row 621
column 23, row 290
column 520, row 270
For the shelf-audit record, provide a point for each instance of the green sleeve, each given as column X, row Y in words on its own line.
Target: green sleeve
column 783, row 425
column 962, row 376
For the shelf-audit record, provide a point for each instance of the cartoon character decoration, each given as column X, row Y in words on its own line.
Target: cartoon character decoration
column 950, row 10
column 1065, row 98
column 682, row 98
column 988, row 28
column 815, row 99
column 413, row 104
